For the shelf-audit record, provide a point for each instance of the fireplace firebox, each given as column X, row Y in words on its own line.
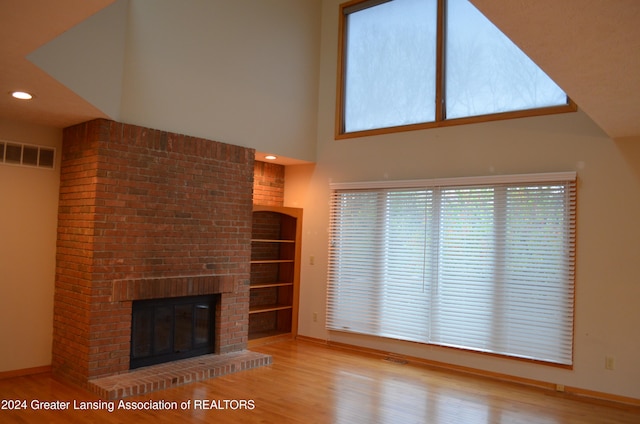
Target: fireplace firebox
column 169, row 329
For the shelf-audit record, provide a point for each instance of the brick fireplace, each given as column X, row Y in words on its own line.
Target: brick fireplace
column 146, row 214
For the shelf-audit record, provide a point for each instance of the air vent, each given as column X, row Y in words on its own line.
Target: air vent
column 13, row 153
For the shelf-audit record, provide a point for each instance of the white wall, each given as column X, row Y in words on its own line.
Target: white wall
column 608, row 229
column 28, row 222
column 243, row 72
column 89, row 58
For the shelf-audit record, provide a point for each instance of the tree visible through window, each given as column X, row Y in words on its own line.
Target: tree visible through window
column 426, row 62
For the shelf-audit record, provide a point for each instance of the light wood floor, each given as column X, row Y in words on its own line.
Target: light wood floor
column 310, row 383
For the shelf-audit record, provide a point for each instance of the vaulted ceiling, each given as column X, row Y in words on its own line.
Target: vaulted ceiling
column 26, row 25
column 591, row 48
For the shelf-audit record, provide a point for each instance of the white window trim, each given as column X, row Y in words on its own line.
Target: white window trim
column 456, row 181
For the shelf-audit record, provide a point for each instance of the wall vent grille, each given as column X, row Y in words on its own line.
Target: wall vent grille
column 14, row 153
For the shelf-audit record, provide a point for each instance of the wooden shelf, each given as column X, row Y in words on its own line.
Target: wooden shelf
column 273, row 261
column 271, row 241
column 268, row 308
column 267, row 285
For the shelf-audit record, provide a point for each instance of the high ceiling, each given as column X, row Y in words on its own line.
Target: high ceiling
column 26, row 25
column 591, row 48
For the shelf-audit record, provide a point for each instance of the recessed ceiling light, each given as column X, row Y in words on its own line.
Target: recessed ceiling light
column 271, row 157
column 22, row 95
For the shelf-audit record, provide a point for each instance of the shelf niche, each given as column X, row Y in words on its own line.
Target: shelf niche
column 275, row 273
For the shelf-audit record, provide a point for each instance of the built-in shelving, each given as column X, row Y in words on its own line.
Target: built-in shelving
column 275, row 271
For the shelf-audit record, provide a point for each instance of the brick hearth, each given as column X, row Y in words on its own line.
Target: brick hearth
column 176, row 373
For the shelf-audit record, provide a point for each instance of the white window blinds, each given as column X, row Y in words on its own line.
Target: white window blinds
column 484, row 264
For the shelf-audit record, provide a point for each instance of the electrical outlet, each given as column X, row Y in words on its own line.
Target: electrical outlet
column 312, row 260
column 560, row 387
column 315, row 317
column 609, row 363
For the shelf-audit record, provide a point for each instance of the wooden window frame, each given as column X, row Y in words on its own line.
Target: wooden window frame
column 440, row 114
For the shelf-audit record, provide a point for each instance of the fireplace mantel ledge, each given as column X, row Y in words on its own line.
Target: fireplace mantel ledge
column 161, row 287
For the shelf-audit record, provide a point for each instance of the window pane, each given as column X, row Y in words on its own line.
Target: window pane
column 407, row 259
column 536, row 288
column 465, row 290
column 355, row 259
column 486, row 73
column 390, row 65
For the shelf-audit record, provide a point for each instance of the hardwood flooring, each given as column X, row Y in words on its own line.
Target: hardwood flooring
column 310, row 383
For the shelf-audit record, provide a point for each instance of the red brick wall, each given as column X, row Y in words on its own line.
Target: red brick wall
column 268, row 184
column 144, row 213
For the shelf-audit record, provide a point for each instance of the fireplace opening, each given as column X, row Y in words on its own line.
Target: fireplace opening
column 169, row 329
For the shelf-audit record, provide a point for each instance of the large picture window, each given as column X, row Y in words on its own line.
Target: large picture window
column 485, row 264
column 410, row 64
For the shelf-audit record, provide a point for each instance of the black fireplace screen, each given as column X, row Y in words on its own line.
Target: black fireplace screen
column 164, row 330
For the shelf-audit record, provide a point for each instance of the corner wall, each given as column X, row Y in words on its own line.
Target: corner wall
column 28, row 218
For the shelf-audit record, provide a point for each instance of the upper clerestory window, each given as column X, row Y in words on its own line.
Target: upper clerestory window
column 414, row 64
